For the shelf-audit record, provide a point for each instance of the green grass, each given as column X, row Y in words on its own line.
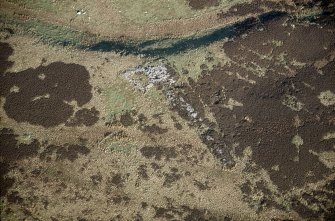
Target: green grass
column 53, row 33
column 49, row 33
column 150, row 11
column 121, row 147
column 45, row 5
column 118, row 100
column 191, row 61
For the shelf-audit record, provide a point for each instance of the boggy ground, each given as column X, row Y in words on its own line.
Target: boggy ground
column 261, row 146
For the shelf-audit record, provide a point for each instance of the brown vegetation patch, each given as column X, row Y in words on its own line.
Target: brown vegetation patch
column 120, row 199
column 142, row 172
column 158, row 152
column 201, row 4
column 11, row 151
column 202, row 185
column 14, row 198
column 282, row 37
column 262, row 121
column 246, row 98
column 138, row 217
column 155, row 166
column 6, row 33
column 126, row 119
column 270, row 123
column 177, row 125
column 183, row 212
column 321, row 201
column 172, row 177
column 241, row 9
column 5, row 51
column 86, row 117
column 5, row 182
column 185, row 150
column 96, row 179
column 274, row 127
column 158, row 117
column 70, row 152
column 312, row 3
column 153, row 129
column 41, row 96
column 254, row 7
column 116, row 180
column 144, row 205
column 264, row 197
column 116, row 135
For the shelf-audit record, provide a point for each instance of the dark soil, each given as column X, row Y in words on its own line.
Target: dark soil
column 201, row 4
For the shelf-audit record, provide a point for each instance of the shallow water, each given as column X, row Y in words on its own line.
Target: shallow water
column 183, row 44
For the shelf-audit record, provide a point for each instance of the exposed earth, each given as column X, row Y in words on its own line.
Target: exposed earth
column 167, row 110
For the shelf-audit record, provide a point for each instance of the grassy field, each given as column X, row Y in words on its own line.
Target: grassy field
column 154, row 11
